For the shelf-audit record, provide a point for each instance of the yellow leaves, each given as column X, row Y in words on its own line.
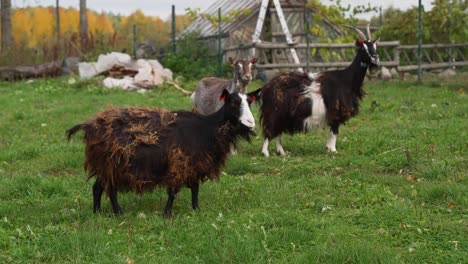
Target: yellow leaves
column 21, row 25
column 69, row 20
column 36, row 26
column 151, row 28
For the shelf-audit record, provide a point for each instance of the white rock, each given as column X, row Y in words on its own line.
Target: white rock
column 127, row 83
column 385, row 73
column 167, row 74
column 155, row 64
column 394, row 73
column 448, row 73
column 150, row 72
column 87, row 69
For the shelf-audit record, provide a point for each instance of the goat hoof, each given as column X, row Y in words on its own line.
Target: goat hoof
column 118, row 213
column 281, row 153
column 330, row 149
column 167, row 214
column 266, row 154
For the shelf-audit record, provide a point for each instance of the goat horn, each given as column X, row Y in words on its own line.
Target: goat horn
column 369, row 37
column 361, row 35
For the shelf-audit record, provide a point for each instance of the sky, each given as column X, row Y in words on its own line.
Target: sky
column 162, row 8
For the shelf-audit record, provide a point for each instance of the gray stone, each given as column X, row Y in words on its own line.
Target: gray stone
column 385, row 73
column 70, row 66
column 409, row 77
column 394, row 73
column 448, row 73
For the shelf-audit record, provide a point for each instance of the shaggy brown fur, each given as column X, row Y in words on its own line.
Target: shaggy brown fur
column 136, row 149
column 111, row 139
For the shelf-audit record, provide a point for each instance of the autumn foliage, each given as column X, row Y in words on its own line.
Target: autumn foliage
column 35, row 33
column 36, row 26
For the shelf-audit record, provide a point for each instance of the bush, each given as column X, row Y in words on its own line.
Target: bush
column 194, row 59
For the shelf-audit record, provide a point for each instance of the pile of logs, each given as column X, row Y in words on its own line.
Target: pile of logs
column 15, row 73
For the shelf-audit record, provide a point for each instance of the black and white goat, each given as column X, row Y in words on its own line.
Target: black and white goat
column 137, row 149
column 300, row 102
column 205, row 98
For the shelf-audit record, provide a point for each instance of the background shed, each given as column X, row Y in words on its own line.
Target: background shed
column 237, row 36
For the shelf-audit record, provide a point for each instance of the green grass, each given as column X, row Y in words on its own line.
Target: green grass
column 395, row 192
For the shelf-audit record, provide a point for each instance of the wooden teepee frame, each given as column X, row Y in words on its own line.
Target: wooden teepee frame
column 284, row 27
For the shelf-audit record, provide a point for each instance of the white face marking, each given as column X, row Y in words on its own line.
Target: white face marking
column 365, row 47
column 246, row 116
column 375, row 46
column 240, row 67
column 367, row 51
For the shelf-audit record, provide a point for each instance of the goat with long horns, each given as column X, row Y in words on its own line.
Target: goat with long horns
column 299, row 102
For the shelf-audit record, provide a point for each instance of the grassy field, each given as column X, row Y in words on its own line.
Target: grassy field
column 395, row 192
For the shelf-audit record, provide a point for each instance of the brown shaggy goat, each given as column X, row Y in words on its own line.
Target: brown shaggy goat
column 136, row 149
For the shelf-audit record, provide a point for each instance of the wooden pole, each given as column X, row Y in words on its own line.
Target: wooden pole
column 380, row 16
column 57, row 15
column 7, row 31
column 134, row 41
column 420, row 41
column 173, row 30
column 83, row 26
column 220, row 50
column 449, row 27
column 308, row 39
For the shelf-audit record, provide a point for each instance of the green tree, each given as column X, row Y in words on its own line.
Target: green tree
column 438, row 26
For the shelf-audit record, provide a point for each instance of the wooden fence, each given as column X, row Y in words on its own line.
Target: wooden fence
column 331, row 56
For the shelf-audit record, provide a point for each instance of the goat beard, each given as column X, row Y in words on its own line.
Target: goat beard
column 242, row 131
column 373, row 68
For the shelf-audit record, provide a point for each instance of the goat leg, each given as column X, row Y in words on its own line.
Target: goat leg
column 279, row 147
column 115, row 204
column 171, row 194
column 97, row 194
column 233, row 149
column 265, row 148
column 331, row 143
column 194, row 188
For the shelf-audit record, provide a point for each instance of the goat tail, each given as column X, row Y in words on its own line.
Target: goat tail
column 70, row 132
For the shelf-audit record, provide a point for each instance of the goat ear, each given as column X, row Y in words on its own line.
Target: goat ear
column 254, row 96
column 231, row 61
column 254, row 60
column 224, row 95
column 359, row 42
column 377, row 41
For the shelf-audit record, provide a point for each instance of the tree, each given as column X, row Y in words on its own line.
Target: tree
column 438, row 26
column 83, row 25
column 7, row 34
